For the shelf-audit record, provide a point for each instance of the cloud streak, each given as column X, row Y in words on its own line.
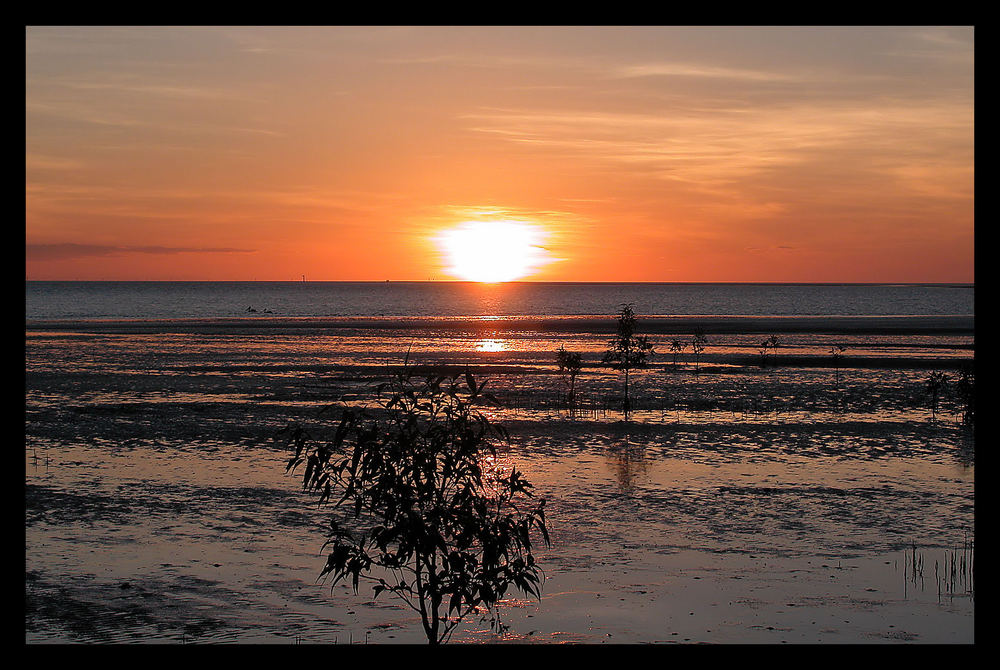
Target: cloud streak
column 70, row 250
column 704, row 71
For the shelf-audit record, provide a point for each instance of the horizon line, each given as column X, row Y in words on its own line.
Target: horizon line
column 519, row 281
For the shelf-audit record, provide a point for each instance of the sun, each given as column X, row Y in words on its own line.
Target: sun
column 492, row 251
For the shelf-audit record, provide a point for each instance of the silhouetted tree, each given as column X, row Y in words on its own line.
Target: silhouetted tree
column 677, row 347
column 837, row 352
column 698, row 342
column 771, row 344
column 430, row 518
column 570, row 364
column 965, row 387
column 935, row 382
column 627, row 350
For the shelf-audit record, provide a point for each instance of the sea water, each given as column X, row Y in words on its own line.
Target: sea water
column 50, row 300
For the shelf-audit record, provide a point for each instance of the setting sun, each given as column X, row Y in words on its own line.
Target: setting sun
column 492, row 251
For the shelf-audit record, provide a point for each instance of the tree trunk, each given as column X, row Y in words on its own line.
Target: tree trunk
column 628, row 405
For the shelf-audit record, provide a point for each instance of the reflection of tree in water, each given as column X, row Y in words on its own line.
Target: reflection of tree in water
column 628, row 463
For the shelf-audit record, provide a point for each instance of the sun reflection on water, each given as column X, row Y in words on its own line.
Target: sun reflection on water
column 492, row 345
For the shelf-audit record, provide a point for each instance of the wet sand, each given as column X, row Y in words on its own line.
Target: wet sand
column 739, row 505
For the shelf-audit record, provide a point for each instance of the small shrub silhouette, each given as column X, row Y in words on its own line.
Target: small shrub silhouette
column 965, row 388
column 627, row 350
column 934, row 384
column 770, row 344
column 837, row 352
column 570, row 363
column 698, row 342
column 677, row 347
column 430, row 518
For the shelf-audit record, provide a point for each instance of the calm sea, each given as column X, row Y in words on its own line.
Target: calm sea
column 45, row 300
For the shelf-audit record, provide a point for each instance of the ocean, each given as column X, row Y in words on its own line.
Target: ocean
column 207, row 300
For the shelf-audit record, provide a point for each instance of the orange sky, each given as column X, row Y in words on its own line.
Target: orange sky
column 637, row 154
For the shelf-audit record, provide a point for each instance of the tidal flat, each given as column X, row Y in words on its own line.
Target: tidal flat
column 795, row 502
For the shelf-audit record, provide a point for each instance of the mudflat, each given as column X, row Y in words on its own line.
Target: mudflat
column 794, row 500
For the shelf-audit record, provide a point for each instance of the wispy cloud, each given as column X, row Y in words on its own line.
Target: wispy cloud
column 68, row 250
column 707, row 71
column 713, row 149
column 41, row 162
column 152, row 118
column 164, row 90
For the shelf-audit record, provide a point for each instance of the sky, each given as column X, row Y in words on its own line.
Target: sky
column 674, row 154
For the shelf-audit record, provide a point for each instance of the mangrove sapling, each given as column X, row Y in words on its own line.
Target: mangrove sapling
column 965, row 388
column 698, row 342
column 837, row 352
column 770, row 344
column 570, row 364
column 677, row 347
column 627, row 350
column 935, row 382
column 430, row 518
